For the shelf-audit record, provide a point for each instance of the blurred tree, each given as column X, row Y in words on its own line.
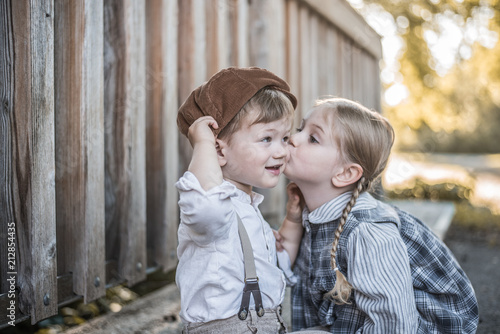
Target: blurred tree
column 454, row 94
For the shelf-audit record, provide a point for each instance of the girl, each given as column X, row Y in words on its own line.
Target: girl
column 363, row 266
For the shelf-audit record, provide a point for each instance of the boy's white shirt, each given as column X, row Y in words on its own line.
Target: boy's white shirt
column 210, row 274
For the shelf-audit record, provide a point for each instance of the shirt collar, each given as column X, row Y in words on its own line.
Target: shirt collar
column 332, row 210
column 253, row 199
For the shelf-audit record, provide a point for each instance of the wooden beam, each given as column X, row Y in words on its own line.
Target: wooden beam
column 242, row 39
column 293, row 54
column 342, row 15
column 161, row 133
column 314, row 57
column 192, row 66
column 80, row 144
column 125, row 146
column 305, row 60
column 212, row 36
column 27, row 148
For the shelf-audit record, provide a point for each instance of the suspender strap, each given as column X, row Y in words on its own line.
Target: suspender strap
column 251, row 279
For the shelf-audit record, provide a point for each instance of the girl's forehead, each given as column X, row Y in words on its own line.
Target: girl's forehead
column 317, row 114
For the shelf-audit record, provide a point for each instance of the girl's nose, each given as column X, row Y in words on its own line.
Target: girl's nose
column 292, row 140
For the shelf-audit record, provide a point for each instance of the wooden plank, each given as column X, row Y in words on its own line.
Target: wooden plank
column 356, row 72
column 79, row 157
column 236, row 27
column 192, row 68
column 275, row 39
column 322, row 60
column 369, row 82
column 218, row 35
column 339, row 62
column 343, row 16
column 161, row 133
column 125, row 117
column 332, row 61
column 171, row 104
column 346, row 69
column 200, row 42
column 305, row 60
column 314, row 58
column 212, row 36
column 376, row 89
column 293, row 54
column 28, row 102
column 242, row 40
column 256, row 33
column 267, row 35
column 6, row 149
column 225, row 36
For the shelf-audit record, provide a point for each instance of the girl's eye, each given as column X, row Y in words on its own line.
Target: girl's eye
column 286, row 139
column 313, row 140
column 266, row 139
column 298, row 129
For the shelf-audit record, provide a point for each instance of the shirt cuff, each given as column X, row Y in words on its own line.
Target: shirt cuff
column 189, row 182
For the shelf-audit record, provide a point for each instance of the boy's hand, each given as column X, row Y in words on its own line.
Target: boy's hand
column 201, row 130
column 295, row 204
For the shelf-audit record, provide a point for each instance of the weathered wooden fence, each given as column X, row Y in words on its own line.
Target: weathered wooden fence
column 89, row 148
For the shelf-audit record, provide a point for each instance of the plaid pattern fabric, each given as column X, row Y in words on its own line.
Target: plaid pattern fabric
column 443, row 295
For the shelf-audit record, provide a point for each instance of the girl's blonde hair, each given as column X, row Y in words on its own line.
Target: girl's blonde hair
column 363, row 137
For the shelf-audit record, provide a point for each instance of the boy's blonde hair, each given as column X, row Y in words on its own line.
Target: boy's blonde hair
column 363, row 137
column 270, row 104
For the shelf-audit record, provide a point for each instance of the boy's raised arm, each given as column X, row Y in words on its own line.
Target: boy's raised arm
column 204, row 163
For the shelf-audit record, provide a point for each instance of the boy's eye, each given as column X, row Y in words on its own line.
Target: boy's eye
column 286, row 139
column 266, row 139
column 313, row 140
column 298, row 129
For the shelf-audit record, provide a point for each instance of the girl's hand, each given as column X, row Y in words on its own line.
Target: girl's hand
column 201, row 130
column 295, row 204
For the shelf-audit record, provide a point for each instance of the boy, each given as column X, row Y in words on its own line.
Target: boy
column 238, row 124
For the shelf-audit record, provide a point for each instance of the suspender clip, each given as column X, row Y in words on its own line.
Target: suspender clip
column 251, row 288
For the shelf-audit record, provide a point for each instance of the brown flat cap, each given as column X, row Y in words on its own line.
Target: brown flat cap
column 225, row 93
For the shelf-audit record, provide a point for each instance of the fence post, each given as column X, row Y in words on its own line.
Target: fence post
column 80, row 144
column 125, row 146
column 161, row 132
column 28, row 151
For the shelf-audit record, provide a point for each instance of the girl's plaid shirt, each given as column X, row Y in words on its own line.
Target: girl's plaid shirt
column 405, row 278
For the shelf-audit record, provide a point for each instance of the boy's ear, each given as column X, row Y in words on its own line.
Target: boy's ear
column 221, row 146
column 347, row 176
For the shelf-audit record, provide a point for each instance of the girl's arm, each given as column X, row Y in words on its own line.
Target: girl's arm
column 291, row 230
column 204, row 162
column 379, row 271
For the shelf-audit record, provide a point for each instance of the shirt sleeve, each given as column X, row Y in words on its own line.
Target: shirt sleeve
column 285, row 265
column 379, row 271
column 207, row 214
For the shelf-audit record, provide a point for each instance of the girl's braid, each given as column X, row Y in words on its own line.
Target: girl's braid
column 342, row 289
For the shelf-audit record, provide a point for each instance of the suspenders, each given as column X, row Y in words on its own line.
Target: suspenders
column 251, row 279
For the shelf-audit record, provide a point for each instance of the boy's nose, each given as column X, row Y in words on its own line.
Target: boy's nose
column 281, row 151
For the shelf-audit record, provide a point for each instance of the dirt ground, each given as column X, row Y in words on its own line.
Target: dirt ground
column 478, row 252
